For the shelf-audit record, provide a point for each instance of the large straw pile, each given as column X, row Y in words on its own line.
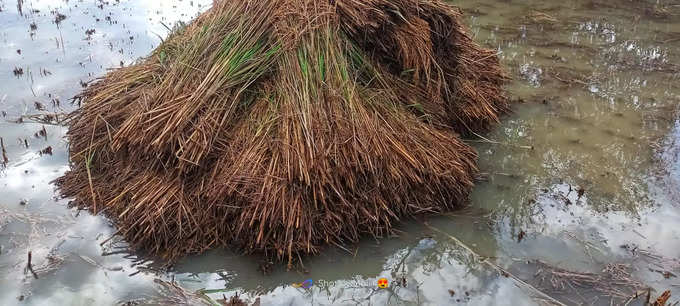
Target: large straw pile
column 282, row 125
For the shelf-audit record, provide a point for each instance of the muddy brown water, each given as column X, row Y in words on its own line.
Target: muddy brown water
column 589, row 214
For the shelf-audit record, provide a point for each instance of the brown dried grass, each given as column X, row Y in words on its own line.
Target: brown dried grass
column 281, row 126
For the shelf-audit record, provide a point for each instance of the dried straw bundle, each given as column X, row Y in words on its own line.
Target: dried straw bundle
column 280, row 126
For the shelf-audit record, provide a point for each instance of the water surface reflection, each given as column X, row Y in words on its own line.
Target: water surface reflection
column 599, row 82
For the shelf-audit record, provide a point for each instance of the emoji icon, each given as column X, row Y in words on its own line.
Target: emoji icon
column 307, row 284
column 382, row 283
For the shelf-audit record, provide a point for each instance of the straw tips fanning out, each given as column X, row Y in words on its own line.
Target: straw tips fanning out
column 279, row 127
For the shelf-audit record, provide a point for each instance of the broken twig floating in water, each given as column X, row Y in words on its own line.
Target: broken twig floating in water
column 109, row 239
column 50, row 119
column 663, row 298
column 29, row 266
column 486, row 140
column 5, row 160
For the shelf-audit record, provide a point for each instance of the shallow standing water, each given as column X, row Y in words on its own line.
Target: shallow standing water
column 581, row 189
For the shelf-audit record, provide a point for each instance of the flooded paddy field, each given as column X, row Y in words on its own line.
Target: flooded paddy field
column 578, row 202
